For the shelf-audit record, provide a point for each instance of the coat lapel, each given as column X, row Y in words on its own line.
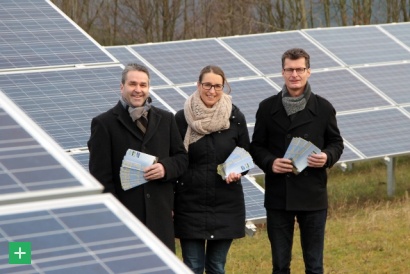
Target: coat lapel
column 125, row 119
column 153, row 122
column 306, row 115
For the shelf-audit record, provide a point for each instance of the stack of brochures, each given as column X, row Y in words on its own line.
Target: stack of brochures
column 238, row 161
column 298, row 151
column 132, row 168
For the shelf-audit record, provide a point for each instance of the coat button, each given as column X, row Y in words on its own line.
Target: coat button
column 305, row 136
column 289, row 136
column 212, row 236
column 148, row 196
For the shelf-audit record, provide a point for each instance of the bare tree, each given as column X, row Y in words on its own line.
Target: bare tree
column 113, row 22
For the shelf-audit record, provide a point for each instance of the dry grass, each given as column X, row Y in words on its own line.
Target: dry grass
column 367, row 232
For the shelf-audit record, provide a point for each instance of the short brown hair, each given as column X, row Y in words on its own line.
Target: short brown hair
column 294, row 54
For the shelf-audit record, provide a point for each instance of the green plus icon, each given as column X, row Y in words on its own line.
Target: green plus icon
column 19, row 253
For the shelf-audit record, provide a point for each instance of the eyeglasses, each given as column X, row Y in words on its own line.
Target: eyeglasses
column 208, row 86
column 289, row 71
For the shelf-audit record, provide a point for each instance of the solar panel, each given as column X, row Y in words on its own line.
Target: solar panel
column 264, row 51
column 31, row 167
column 397, row 86
column 345, row 91
column 171, row 97
column 63, row 102
column 254, row 196
column 400, row 31
column 349, row 155
column 377, row 133
column 360, row 45
column 181, row 62
column 125, row 57
column 35, row 34
column 247, row 94
column 93, row 234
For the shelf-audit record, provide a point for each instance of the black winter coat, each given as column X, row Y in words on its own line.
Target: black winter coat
column 112, row 134
column 272, row 135
column 206, row 207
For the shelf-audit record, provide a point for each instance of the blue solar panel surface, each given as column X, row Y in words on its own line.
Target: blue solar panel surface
column 400, row 31
column 254, row 195
column 28, row 171
column 63, row 102
column 83, row 235
column 171, row 97
column 264, row 50
column 397, row 85
column 125, row 57
column 360, row 45
column 34, row 34
column 345, row 91
column 377, row 133
column 181, row 62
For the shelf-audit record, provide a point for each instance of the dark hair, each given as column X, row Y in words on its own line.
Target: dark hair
column 294, row 54
column 133, row 67
column 217, row 70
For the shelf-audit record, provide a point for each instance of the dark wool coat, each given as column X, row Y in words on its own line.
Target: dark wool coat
column 112, row 133
column 206, row 207
column 272, row 134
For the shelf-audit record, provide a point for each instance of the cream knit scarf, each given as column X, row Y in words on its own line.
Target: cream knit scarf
column 203, row 120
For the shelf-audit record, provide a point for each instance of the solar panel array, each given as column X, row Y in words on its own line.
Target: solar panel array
column 60, row 78
column 93, row 235
column 53, row 79
column 360, row 69
column 32, row 166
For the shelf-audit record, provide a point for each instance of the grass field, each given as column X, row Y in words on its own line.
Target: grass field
column 367, row 231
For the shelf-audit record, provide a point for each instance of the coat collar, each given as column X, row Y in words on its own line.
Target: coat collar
column 302, row 117
column 124, row 118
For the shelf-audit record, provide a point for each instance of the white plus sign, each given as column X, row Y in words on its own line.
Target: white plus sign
column 19, row 253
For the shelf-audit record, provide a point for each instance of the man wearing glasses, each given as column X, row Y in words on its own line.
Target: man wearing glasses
column 296, row 112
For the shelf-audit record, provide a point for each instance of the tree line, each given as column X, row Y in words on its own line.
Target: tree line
column 123, row 22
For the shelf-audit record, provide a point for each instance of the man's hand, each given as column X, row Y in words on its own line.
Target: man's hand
column 317, row 160
column 282, row 165
column 154, row 172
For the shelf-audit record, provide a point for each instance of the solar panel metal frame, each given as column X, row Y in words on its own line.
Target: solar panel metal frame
column 89, row 184
column 127, row 220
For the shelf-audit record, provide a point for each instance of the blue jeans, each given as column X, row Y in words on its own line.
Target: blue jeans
column 202, row 254
column 281, row 224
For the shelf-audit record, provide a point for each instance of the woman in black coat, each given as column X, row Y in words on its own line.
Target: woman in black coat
column 114, row 132
column 209, row 211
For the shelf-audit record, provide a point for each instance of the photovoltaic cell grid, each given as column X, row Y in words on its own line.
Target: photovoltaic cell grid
column 92, row 235
column 34, row 34
column 397, row 85
column 400, row 31
column 254, row 196
column 171, row 97
column 360, row 45
column 264, row 51
column 349, row 155
column 181, row 62
column 63, row 102
column 27, row 170
column 345, row 91
column 125, row 57
column 377, row 133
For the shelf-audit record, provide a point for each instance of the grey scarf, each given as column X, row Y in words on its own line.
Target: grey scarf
column 295, row 104
column 137, row 112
